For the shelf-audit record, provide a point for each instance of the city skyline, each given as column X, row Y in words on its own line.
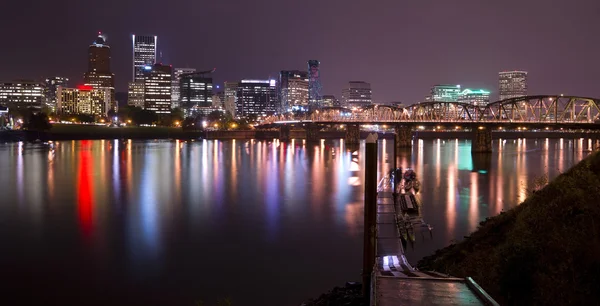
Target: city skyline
column 402, row 58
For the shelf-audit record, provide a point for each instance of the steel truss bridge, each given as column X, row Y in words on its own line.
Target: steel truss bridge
column 568, row 111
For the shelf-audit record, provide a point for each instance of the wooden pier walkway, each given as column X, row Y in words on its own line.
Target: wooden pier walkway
column 395, row 281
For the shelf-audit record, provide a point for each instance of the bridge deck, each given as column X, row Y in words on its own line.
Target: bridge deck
column 396, row 282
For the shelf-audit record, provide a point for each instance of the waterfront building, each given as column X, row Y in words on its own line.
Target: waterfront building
column 157, row 88
column 477, row 97
column 444, row 93
column 357, row 94
column 330, row 101
column 293, row 86
column 22, row 93
column 256, row 98
column 175, row 87
column 135, row 94
column 83, row 100
column 196, row 93
column 512, row 84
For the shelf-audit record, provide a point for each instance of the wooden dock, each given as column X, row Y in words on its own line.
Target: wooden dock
column 394, row 280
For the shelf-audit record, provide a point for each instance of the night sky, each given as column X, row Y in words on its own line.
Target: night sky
column 400, row 47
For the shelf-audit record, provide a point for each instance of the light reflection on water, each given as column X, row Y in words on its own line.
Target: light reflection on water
column 198, row 213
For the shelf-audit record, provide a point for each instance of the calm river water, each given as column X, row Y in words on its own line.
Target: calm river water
column 264, row 223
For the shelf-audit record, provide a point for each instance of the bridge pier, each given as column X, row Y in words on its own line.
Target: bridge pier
column 312, row 132
column 482, row 140
column 284, row 132
column 403, row 136
column 352, row 134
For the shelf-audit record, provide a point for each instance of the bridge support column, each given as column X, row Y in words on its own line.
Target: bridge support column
column 312, row 132
column 284, row 133
column 352, row 134
column 403, row 136
column 482, row 140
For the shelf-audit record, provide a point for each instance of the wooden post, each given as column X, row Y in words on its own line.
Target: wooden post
column 370, row 217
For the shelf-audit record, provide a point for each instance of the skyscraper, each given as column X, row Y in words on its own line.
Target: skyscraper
column 445, row 93
column 157, row 88
column 314, row 84
column 293, row 90
column 99, row 74
column 477, row 97
column 144, row 54
column 175, row 89
column 196, row 93
column 357, row 94
column 256, row 97
column 512, row 84
column 52, row 84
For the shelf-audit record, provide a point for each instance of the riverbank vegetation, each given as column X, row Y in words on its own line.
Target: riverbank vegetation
column 545, row 251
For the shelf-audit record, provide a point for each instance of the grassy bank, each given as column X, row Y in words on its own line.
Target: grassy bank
column 545, row 251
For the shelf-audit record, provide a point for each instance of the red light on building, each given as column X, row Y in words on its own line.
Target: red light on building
column 85, row 87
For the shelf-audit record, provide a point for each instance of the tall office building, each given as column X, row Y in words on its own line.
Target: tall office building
column 135, row 94
column 83, row 100
column 477, row 97
column 512, row 84
column 445, row 93
column 229, row 105
column 330, row 101
column 357, row 94
column 157, row 88
column 98, row 74
column 293, row 90
column 196, row 93
column 144, row 54
column 22, row 93
column 51, row 87
column 230, row 90
column 175, row 89
column 256, row 97
column 314, row 84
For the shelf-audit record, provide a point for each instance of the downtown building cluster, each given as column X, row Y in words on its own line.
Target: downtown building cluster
column 511, row 84
column 159, row 88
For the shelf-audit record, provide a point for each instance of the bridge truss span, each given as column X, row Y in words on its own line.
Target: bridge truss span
column 541, row 109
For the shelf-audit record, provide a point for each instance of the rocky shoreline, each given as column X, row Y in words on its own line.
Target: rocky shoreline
column 349, row 295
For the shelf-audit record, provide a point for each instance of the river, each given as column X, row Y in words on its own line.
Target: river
column 261, row 222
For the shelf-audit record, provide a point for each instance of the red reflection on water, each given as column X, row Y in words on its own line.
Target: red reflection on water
column 85, row 190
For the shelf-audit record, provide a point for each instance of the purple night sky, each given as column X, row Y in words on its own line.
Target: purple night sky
column 400, row 47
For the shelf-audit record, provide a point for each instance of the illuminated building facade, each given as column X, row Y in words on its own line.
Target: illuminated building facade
column 356, row 94
column 83, row 100
column 314, row 84
column 256, row 98
column 477, row 97
column 512, row 84
column 196, row 93
column 157, row 88
column 51, row 89
column 22, row 93
column 175, row 89
column 445, row 93
column 99, row 74
column 330, row 101
column 293, row 86
column 135, row 94
column 144, row 54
